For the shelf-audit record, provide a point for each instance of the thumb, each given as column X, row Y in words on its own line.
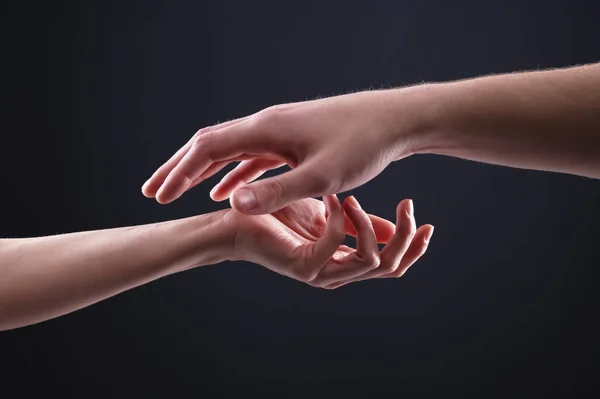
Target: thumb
column 271, row 194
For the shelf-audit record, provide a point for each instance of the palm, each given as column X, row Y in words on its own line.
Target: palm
column 304, row 241
column 286, row 238
column 279, row 240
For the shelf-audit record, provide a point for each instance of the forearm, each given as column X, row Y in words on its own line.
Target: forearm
column 544, row 120
column 45, row 277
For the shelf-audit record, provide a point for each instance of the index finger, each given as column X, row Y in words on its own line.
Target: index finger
column 242, row 140
column 153, row 184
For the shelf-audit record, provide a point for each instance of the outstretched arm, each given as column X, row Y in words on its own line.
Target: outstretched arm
column 42, row 278
column 45, row 277
column 545, row 120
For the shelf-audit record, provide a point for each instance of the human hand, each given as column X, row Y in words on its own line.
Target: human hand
column 304, row 241
column 333, row 145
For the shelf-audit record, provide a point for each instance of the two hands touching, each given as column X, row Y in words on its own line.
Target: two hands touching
column 304, row 241
column 278, row 225
column 332, row 145
column 542, row 120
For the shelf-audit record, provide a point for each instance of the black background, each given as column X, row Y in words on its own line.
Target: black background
column 97, row 94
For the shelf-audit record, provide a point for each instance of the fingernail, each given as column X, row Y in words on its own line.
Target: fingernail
column 145, row 185
column 411, row 208
column 428, row 236
column 245, row 199
column 355, row 202
column 213, row 190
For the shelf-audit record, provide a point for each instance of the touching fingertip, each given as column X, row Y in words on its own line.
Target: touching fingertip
column 244, row 200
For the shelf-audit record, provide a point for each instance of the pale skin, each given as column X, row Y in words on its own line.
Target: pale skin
column 543, row 120
column 45, row 277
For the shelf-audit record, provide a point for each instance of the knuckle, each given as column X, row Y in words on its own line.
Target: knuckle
column 202, row 131
column 319, row 184
column 200, row 139
column 204, row 134
column 272, row 114
column 306, row 274
column 409, row 230
column 373, row 261
column 276, row 188
column 389, row 266
column 187, row 179
column 338, row 234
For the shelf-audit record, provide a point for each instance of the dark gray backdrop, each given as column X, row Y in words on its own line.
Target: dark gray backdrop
column 98, row 94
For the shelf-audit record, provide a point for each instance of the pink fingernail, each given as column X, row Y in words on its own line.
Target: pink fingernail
column 246, row 199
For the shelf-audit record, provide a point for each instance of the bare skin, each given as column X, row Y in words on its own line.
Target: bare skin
column 543, row 120
column 46, row 277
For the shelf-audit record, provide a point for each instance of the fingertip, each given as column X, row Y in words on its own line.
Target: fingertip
column 354, row 202
column 338, row 205
column 146, row 193
column 399, row 212
column 215, row 195
column 163, row 196
column 346, row 205
column 149, row 188
column 350, row 213
column 429, row 233
column 219, row 199
column 162, row 200
column 405, row 205
column 404, row 209
column 335, row 200
column 244, row 200
column 335, row 218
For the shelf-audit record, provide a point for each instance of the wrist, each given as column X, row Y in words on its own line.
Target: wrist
column 202, row 240
column 218, row 235
column 417, row 126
